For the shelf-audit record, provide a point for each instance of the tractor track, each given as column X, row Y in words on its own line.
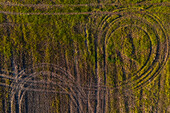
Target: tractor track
column 141, row 77
column 74, row 13
column 66, row 81
column 71, row 5
column 80, row 5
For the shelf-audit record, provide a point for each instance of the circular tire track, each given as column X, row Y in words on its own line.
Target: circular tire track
column 158, row 53
column 28, row 77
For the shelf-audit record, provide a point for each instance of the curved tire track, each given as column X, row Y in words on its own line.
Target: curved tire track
column 67, row 80
column 142, row 77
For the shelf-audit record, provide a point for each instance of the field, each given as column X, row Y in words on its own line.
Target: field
column 88, row 56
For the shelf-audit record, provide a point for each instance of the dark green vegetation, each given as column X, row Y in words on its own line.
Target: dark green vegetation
column 120, row 45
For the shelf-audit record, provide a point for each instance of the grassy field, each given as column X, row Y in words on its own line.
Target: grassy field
column 88, row 56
